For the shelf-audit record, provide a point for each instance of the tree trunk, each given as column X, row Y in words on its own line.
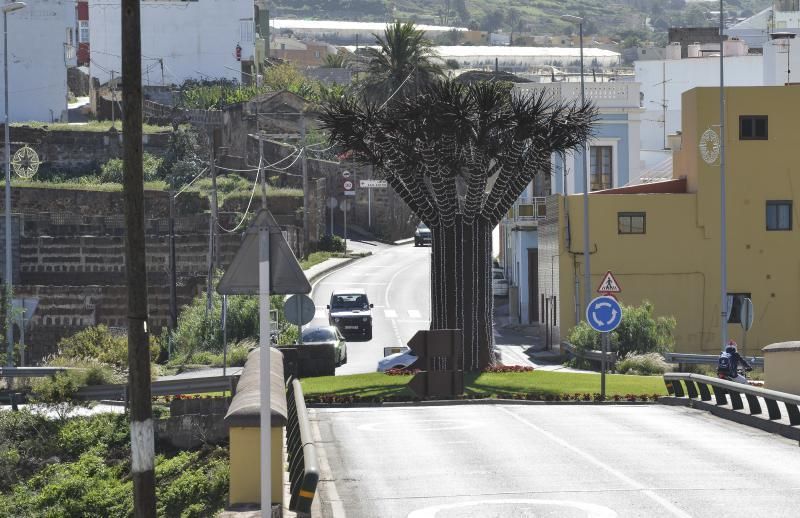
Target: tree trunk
column 461, row 286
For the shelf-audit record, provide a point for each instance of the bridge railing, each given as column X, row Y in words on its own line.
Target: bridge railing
column 302, row 454
column 697, row 387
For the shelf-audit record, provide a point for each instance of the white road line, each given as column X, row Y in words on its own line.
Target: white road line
column 391, row 281
column 420, row 321
column 320, row 314
column 355, row 283
column 390, row 313
column 600, row 464
column 415, row 314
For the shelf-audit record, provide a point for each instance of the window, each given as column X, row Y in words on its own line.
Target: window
column 735, row 307
column 316, row 54
column 631, row 222
column 779, row 215
column 83, row 31
column 753, row 127
column 600, row 167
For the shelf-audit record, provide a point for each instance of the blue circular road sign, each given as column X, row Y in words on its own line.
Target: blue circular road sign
column 604, row 314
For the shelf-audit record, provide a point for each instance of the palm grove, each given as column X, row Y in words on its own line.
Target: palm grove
column 459, row 156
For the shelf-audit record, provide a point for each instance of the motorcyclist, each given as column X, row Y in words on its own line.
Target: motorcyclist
column 728, row 364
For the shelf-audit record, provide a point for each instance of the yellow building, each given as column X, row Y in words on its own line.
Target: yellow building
column 662, row 240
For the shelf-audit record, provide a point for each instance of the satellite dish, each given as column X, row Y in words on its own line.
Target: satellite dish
column 25, row 162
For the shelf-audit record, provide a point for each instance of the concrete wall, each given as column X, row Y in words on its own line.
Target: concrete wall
column 245, row 462
column 37, row 68
column 781, row 365
column 76, row 152
column 675, row 264
column 193, row 40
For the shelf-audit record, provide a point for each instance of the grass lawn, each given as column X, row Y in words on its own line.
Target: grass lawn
column 379, row 385
column 318, row 257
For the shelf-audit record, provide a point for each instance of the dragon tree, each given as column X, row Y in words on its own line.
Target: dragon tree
column 459, row 156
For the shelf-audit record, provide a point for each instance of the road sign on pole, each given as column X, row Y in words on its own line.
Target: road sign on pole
column 373, row 184
column 604, row 314
column 439, row 355
column 746, row 315
column 299, row 309
column 609, row 284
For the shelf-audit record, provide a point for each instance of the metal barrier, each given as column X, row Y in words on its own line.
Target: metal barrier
column 702, row 359
column 595, row 356
column 698, row 387
column 303, row 467
column 161, row 388
column 32, row 372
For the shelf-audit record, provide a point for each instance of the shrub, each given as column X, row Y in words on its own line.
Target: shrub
column 100, row 343
column 187, row 487
column 649, row 364
column 112, row 171
column 24, row 442
column 331, row 244
column 638, row 333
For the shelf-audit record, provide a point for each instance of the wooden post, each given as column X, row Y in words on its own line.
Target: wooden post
column 142, row 434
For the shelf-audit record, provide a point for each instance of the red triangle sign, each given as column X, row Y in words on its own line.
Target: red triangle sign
column 609, row 284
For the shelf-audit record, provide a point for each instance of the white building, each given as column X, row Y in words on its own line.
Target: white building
column 180, row 40
column 41, row 46
column 614, row 160
column 784, row 15
column 522, row 58
column 345, row 32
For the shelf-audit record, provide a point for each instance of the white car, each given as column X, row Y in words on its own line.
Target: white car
column 499, row 283
column 399, row 360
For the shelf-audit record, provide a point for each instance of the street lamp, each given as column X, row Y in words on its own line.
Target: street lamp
column 723, row 245
column 586, row 259
column 8, row 7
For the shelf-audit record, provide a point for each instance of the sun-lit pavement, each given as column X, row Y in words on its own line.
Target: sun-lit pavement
column 550, row 460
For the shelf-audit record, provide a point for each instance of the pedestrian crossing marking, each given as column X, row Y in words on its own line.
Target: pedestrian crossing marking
column 390, row 313
column 413, row 313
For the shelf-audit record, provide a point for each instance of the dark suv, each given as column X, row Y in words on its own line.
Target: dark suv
column 351, row 312
column 422, row 236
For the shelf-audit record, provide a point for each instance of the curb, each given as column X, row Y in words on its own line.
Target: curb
column 461, row 402
column 337, row 266
column 404, row 241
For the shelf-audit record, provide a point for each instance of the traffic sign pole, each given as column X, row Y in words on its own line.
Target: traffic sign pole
column 603, row 366
column 604, row 314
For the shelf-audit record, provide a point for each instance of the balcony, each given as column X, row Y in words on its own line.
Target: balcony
column 602, row 95
column 527, row 212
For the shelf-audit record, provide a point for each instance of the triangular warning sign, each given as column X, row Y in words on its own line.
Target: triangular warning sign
column 609, row 284
column 285, row 274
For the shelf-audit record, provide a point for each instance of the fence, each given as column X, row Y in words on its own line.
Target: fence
column 703, row 359
column 303, row 467
column 697, row 391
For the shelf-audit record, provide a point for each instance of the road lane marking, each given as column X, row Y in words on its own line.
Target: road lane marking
column 390, row 313
column 355, row 283
column 415, row 314
column 597, row 462
column 391, row 281
column 592, row 510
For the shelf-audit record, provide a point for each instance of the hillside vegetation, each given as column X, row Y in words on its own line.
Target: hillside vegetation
column 621, row 18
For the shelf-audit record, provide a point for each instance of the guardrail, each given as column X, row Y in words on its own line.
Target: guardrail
column 161, row 388
column 702, row 359
column 303, row 467
column 595, row 356
column 697, row 387
column 31, row 372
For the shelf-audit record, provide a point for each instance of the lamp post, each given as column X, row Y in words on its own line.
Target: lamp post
column 723, row 226
column 587, row 279
column 8, row 7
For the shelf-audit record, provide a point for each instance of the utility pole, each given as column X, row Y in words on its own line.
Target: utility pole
column 173, row 281
column 723, row 224
column 142, row 433
column 212, row 222
column 113, row 98
column 304, row 166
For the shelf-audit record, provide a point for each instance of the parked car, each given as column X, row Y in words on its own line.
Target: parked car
column 499, row 283
column 422, row 236
column 350, row 311
column 399, row 360
column 327, row 335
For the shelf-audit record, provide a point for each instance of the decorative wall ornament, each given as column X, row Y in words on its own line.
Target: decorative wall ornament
column 25, row 162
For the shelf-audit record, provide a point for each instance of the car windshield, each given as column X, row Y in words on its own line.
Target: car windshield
column 422, row 226
column 498, row 275
column 354, row 301
column 318, row 335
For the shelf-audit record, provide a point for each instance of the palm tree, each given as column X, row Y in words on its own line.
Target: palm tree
column 459, row 156
column 337, row 60
column 404, row 62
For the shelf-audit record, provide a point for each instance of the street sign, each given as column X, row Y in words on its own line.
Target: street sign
column 285, row 274
column 373, row 184
column 746, row 314
column 333, row 202
column 609, row 284
column 604, row 314
column 299, row 309
column 23, row 310
column 344, row 205
column 348, row 185
column 346, row 174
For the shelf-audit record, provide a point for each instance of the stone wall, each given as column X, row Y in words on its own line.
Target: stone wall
column 77, row 152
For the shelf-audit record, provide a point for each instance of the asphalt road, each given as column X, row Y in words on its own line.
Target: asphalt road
column 508, row 461
column 397, row 280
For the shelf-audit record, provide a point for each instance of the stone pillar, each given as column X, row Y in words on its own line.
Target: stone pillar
column 781, row 365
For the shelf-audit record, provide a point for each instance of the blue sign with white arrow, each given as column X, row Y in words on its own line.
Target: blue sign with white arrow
column 604, row 314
